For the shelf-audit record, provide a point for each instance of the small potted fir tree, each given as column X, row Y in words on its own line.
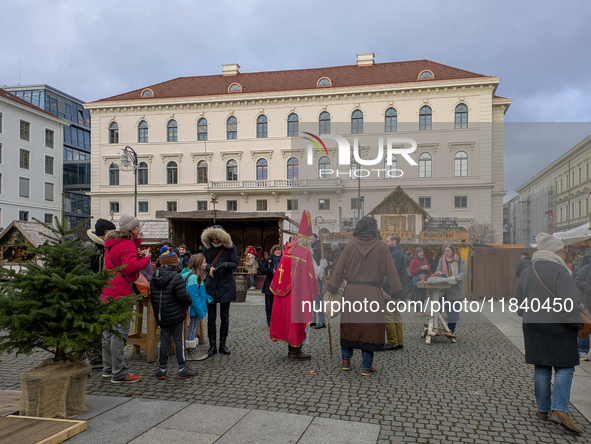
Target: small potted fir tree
column 55, row 305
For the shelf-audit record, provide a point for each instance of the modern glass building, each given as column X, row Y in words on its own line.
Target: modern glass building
column 76, row 143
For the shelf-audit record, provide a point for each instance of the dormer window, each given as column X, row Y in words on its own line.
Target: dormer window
column 426, row 75
column 147, row 93
column 235, row 87
column 324, row 81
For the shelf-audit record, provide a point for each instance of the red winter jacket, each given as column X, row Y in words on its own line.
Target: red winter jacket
column 416, row 264
column 121, row 249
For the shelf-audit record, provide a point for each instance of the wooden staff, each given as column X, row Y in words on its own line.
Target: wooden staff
column 324, row 279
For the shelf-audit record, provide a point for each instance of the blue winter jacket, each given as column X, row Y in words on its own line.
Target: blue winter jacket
column 197, row 293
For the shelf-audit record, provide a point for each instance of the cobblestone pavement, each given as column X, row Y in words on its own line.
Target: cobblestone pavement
column 476, row 391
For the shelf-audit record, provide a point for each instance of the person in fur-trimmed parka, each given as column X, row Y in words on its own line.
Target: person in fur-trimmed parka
column 219, row 282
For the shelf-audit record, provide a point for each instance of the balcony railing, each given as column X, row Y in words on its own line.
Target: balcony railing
column 282, row 183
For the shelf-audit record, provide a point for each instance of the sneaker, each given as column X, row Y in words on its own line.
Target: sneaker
column 367, row 372
column 130, row 378
column 106, row 375
column 160, row 374
column 542, row 416
column 584, row 357
column 187, row 372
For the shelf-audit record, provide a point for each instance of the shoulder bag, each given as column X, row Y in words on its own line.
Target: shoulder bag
column 585, row 315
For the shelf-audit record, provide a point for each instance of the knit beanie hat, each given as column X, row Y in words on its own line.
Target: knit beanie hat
column 334, row 245
column 548, row 242
column 102, row 226
column 168, row 257
column 128, row 222
column 418, row 250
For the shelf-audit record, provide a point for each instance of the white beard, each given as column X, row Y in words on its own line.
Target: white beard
column 305, row 242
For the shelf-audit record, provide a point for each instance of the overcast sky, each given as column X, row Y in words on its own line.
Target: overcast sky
column 540, row 49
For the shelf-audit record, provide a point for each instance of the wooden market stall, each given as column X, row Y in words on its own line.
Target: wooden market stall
column 16, row 238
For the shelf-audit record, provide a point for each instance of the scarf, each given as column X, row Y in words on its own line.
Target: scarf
column 276, row 261
column 545, row 255
column 450, row 268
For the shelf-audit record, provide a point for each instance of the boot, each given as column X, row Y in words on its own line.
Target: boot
column 223, row 349
column 212, row 348
column 295, row 354
column 565, row 421
column 199, row 355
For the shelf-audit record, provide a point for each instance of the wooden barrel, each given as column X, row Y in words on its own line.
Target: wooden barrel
column 242, row 285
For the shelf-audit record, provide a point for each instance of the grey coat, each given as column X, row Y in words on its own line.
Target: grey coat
column 456, row 292
column 550, row 336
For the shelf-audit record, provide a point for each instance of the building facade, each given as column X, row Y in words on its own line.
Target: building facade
column 250, row 140
column 556, row 199
column 30, row 159
column 76, row 144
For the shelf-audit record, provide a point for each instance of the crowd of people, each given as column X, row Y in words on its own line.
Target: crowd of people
column 367, row 269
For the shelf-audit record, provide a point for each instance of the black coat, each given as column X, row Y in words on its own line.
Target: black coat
column 170, row 298
column 550, row 336
column 222, row 287
column 268, row 270
column 400, row 262
column 184, row 260
column 522, row 265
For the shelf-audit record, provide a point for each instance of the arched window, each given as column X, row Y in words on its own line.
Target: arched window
column 231, row 170
column 293, row 123
column 262, row 127
column 324, row 82
column 426, row 75
column 142, row 173
column 113, row 174
column 461, row 164
column 390, row 170
column 142, row 132
column 425, row 118
column 324, row 123
column 461, row 116
column 323, row 165
column 235, row 87
column 232, row 127
column 293, row 168
column 262, row 169
column 357, row 122
column 202, row 171
column 172, row 173
column 113, row 133
column 172, row 133
column 147, row 93
column 202, row 129
column 391, row 120
column 425, row 165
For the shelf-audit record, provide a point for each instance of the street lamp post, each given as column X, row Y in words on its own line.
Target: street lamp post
column 129, row 163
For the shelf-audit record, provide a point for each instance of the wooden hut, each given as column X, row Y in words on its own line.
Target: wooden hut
column 16, row 239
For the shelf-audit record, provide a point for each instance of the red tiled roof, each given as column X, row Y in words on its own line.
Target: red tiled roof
column 300, row 79
column 10, row 96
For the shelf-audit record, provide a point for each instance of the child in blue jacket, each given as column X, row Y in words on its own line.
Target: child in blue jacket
column 194, row 276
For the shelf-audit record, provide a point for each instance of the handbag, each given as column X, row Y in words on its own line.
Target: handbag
column 336, row 297
column 585, row 330
column 141, row 287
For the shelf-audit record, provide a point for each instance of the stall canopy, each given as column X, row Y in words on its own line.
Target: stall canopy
column 576, row 235
column 246, row 228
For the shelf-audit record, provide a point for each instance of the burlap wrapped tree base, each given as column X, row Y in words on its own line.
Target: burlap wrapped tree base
column 54, row 389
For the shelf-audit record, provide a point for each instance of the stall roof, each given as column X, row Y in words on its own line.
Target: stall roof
column 581, row 233
column 35, row 233
column 228, row 219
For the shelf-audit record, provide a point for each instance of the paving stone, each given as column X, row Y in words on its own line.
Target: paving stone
column 100, row 404
column 267, row 427
column 205, row 419
column 127, row 421
column 160, row 436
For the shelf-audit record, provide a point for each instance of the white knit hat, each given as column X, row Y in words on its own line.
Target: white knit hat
column 548, row 242
column 128, row 222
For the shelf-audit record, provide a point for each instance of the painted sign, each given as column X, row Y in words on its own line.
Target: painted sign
column 445, row 235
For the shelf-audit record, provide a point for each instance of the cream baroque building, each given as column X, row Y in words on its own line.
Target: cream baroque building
column 238, row 137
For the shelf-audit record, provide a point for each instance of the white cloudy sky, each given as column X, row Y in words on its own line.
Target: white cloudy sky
column 95, row 49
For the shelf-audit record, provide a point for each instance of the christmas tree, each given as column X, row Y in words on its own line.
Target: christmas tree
column 56, row 305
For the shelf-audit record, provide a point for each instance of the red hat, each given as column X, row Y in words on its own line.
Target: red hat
column 305, row 225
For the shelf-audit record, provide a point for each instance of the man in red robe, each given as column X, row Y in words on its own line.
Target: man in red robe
column 295, row 286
